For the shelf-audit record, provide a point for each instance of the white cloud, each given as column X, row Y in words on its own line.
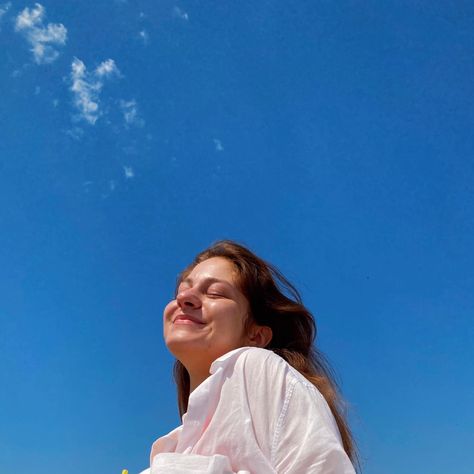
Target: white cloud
column 178, row 12
column 143, row 34
column 86, row 87
column 44, row 39
column 30, row 18
column 19, row 72
column 87, row 186
column 4, row 7
column 130, row 113
column 86, row 93
column 107, row 68
column 218, row 144
column 76, row 133
column 128, row 172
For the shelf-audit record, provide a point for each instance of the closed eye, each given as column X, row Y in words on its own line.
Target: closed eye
column 216, row 290
column 215, row 295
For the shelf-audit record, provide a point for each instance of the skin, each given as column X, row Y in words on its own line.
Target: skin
column 207, row 318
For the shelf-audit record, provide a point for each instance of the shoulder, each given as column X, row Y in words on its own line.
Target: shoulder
column 261, row 371
column 267, row 374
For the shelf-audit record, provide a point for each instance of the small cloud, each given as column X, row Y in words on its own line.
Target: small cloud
column 19, row 72
column 128, row 172
column 143, row 35
column 218, row 144
column 112, row 185
column 130, row 113
column 107, row 68
column 4, row 7
column 179, row 13
column 86, row 186
column 75, row 133
column 43, row 39
column 55, row 103
column 37, row 90
column 86, row 87
column 130, row 150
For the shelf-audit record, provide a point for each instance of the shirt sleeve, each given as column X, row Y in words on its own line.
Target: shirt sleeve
column 178, row 463
column 306, row 438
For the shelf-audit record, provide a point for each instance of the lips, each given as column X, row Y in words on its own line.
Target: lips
column 186, row 319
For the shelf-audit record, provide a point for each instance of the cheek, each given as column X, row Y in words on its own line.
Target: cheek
column 169, row 310
column 231, row 321
column 167, row 315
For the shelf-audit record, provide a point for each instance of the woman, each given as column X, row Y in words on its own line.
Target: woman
column 254, row 394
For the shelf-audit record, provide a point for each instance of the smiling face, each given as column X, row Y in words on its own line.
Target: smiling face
column 207, row 318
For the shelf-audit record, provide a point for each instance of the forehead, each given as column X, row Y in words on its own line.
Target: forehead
column 216, row 267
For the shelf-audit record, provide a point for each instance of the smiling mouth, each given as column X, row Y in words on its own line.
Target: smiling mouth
column 185, row 319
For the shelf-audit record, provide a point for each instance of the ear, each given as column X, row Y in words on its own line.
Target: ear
column 260, row 336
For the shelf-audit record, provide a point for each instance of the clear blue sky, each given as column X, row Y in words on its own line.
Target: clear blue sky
column 334, row 138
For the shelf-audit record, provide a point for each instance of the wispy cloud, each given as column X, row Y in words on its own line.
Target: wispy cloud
column 76, row 133
column 4, row 7
column 87, row 86
column 130, row 113
column 107, row 68
column 218, row 144
column 179, row 13
column 128, row 172
column 21, row 70
column 143, row 35
column 44, row 39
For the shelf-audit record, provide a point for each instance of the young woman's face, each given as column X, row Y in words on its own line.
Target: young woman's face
column 207, row 318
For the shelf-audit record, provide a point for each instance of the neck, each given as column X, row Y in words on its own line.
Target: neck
column 196, row 378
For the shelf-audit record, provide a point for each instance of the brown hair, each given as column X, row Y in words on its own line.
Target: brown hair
column 275, row 302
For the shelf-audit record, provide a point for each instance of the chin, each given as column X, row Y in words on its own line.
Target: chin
column 184, row 344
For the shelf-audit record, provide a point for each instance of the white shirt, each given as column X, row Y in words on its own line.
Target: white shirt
column 254, row 414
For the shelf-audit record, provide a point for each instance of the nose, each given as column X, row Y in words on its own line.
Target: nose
column 188, row 299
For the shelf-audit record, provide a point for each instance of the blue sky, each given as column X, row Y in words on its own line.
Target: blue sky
column 333, row 138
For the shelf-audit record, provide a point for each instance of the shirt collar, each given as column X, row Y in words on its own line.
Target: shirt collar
column 223, row 359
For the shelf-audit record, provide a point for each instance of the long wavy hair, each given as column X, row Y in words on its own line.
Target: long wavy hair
column 276, row 303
